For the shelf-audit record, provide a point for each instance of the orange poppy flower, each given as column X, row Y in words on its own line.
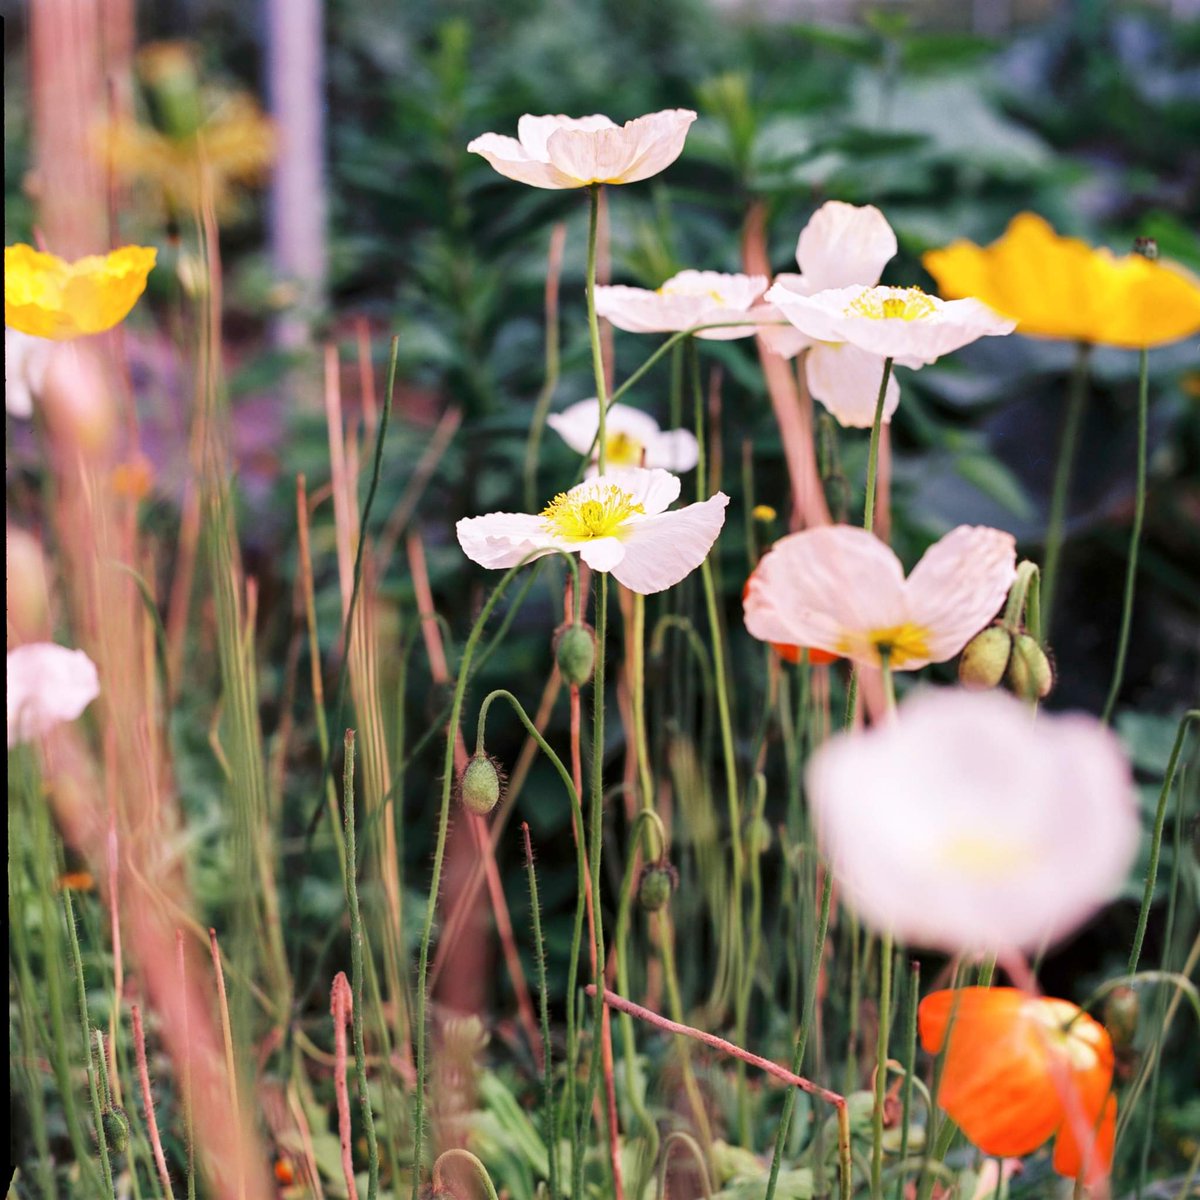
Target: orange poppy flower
column 789, row 653
column 1019, row 1070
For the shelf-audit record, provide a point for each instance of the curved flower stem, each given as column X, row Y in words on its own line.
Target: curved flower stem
column 679, row 1137
column 1156, row 839
column 873, row 450
column 460, row 689
column 1076, row 400
column 357, row 941
column 594, row 326
column 881, row 1060
column 460, row 1155
column 1135, row 536
column 1022, row 610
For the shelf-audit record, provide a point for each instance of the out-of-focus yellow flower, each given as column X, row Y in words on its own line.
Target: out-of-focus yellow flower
column 51, row 298
column 233, row 146
column 1060, row 287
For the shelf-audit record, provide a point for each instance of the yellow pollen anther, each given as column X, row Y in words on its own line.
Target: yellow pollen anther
column 624, row 451
column 589, row 512
column 886, row 303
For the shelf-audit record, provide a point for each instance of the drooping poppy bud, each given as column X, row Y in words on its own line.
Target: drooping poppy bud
column 481, row 784
column 575, row 653
column 985, row 658
column 659, row 880
column 1030, row 674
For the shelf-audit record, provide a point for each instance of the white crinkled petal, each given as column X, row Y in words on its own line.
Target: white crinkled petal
column 844, row 244
column 959, row 584
column 785, row 340
column 500, row 540
column 578, row 424
column 510, row 158
column 662, row 550
column 846, row 380
column 814, row 316
column 653, row 488
column 46, row 685
column 966, row 825
column 534, row 132
column 673, row 450
column 602, row 554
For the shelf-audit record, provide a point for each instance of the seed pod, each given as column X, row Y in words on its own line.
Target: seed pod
column 659, row 880
column 985, row 658
column 1030, row 674
column 575, row 653
column 481, row 784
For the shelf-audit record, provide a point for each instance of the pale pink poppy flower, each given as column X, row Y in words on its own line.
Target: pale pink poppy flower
column 969, row 825
column 838, row 588
column 842, row 244
column 47, row 685
column 634, row 438
column 616, row 522
column 26, row 359
column 685, row 301
column 573, row 152
column 904, row 324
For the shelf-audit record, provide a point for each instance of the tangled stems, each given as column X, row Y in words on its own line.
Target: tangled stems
column 594, row 324
column 1076, row 400
column 1135, row 536
column 356, row 967
column 873, row 451
column 460, row 689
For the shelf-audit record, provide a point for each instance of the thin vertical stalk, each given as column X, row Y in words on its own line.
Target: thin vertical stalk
column 910, row 1063
column 1135, row 535
column 227, row 1038
column 357, row 947
column 881, row 1061
column 594, row 329
column 873, row 450
column 139, row 1046
column 188, row 1119
column 1076, row 401
column 549, row 1121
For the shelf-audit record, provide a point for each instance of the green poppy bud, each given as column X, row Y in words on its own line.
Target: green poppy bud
column 659, row 880
column 1121, row 1016
column 985, row 658
column 758, row 836
column 481, row 784
column 575, row 652
column 116, row 1128
column 1030, row 674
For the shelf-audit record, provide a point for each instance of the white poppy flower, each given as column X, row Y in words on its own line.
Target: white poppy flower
column 26, row 359
column 685, row 301
column 47, row 684
column 904, row 324
column 969, row 825
column 573, row 152
column 840, row 589
column 634, row 437
column 842, row 244
column 617, row 522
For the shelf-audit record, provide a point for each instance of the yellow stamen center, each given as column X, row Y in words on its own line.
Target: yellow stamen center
column 624, row 451
column 982, row 857
column 890, row 303
column 1079, row 1039
column 903, row 644
column 593, row 511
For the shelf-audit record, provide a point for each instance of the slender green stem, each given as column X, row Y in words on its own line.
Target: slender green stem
column 550, row 382
column 1076, row 401
column 810, row 1003
column 549, row 1120
column 873, row 450
column 1021, row 610
column 439, row 853
column 1156, row 839
column 910, row 1066
column 594, row 327
column 356, row 967
column 86, row 1026
column 1135, row 536
column 638, row 685
column 881, row 1061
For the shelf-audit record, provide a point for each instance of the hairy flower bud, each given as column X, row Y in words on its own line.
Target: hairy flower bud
column 985, row 658
column 1121, row 1016
column 1030, row 674
column 575, row 653
column 481, row 784
column 116, row 1128
column 659, row 880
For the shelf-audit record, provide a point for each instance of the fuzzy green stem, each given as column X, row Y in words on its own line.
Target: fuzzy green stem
column 594, row 327
column 1021, row 610
column 1076, row 401
column 881, row 1060
column 1135, row 536
column 1156, row 839
column 873, row 450
column 356, row 967
column 910, row 1064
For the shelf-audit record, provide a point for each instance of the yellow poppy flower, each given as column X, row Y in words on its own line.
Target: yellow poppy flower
column 1059, row 287
column 50, row 298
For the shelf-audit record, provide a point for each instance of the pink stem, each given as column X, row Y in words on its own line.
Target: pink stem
column 341, row 1004
column 139, row 1045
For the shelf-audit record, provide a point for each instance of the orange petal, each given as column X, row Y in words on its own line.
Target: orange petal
column 1069, row 1160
